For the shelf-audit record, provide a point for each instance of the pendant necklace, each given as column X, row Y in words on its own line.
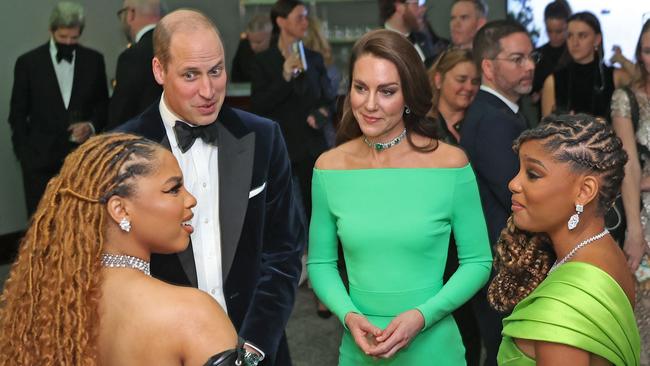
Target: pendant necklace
column 125, row 261
column 576, row 248
column 380, row 146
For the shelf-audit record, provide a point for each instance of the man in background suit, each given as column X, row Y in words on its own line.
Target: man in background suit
column 59, row 99
column 504, row 52
column 135, row 87
column 248, row 239
column 467, row 17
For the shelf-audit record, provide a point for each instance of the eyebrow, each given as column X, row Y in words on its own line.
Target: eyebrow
column 535, row 161
column 175, row 180
column 378, row 86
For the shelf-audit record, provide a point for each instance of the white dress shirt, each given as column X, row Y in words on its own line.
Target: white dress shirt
column 201, row 177
column 144, row 30
column 513, row 106
column 64, row 73
column 415, row 45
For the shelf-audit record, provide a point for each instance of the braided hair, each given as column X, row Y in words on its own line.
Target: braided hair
column 588, row 145
column 48, row 309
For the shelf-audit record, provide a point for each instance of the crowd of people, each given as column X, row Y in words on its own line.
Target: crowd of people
column 441, row 225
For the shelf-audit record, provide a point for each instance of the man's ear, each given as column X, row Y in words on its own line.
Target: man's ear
column 158, row 70
column 481, row 23
column 117, row 209
column 487, row 69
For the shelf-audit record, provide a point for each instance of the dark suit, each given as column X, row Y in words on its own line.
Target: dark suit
column 39, row 119
column 487, row 133
column 289, row 103
column 262, row 238
column 135, row 86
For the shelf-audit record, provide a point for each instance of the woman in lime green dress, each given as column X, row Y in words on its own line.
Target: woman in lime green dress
column 557, row 265
column 392, row 193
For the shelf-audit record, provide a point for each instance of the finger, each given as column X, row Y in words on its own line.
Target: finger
column 368, row 327
column 360, row 340
column 394, row 350
column 390, row 329
column 386, row 345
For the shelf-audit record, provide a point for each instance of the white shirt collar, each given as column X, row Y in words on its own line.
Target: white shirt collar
column 168, row 117
column 54, row 50
column 144, row 30
column 388, row 26
column 513, row 106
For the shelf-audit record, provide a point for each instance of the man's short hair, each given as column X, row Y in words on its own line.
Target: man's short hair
column 558, row 9
column 480, row 6
column 162, row 35
column 67, row 14
column 387, row 9
column 487, row 43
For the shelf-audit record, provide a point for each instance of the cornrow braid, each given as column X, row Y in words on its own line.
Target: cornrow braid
column 48, row 309
column 588, row 145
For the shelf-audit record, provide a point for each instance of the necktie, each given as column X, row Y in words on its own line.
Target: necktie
column 186, row 134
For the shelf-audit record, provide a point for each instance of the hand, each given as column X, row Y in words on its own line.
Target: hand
column 398, row 333
column 634, row 248
column 617, row 57
column 311, row 121
column 362, row 331
column 80, row 132
column 291, row 63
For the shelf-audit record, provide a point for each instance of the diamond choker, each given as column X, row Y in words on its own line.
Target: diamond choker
column 125, row 261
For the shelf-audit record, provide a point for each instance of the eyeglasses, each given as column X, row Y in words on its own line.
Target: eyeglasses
column 520, row 60
column 124, row 9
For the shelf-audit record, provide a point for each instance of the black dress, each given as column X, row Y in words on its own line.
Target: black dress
column 584, row 88
column 547, row 64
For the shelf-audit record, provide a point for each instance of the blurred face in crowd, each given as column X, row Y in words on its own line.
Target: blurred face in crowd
column 126, row 15
column 645, row 50
column 511, row 71
column 194, row 79
column 295, row 24
column 376, row 98
column 411, row 14
column 69, row 36
column 582, row 42
column 556, row 29
column 465, row 22
column 458, row 86
column 259, row 41
column 419, row 10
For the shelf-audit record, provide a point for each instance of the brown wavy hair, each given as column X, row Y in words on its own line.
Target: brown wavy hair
column 397, row 49
column 588, row 145
column 48, row 309
column 643, row 77
column 447, row 60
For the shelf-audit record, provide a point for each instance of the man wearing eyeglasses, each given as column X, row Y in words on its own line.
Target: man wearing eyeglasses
column 135, row 87
column 504, row 52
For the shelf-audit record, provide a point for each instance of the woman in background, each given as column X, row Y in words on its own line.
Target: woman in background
column 631, row 121
column 80, row 292
column 556, row 264
column 584, row 84
column 392, row 193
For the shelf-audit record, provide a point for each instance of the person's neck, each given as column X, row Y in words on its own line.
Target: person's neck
column 398, row 25
column 464, row 46
column 119, row 243
column 285, row 41
column 450, row 115
column 512, row 96
column 586, row 60
column 564, row 240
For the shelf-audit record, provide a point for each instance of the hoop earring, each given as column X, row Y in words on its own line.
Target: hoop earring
column 125, row 224
column 575, row 218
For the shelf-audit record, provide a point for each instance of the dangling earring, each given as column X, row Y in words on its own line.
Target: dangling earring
column 575, row 218
column 125, row 224
column 407, row 110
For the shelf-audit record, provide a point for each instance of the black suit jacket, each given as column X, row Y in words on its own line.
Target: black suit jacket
column 38, row 117
column 135, row 86
column 262, row 238
column 289, row 103
column 487, row 134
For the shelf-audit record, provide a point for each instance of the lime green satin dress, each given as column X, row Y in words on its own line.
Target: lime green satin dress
column 394, row 226
column 579, row 305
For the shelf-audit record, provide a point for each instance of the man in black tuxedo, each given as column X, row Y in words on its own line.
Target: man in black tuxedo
column 59, row 99
column 248, row 239
column 504, row 52
column 135, row 87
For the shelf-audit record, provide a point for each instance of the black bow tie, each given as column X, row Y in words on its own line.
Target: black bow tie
column 186, row 134
column 62, row 55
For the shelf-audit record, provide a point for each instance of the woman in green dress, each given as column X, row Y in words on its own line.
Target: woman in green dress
column 391, row 192
column 557, row 266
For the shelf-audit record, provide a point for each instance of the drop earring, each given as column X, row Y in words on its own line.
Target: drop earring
column 575, row 218
column 125, row 224
column 407, row 110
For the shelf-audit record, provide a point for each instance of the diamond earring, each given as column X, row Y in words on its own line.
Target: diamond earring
column 575, row 218
column 125, row 224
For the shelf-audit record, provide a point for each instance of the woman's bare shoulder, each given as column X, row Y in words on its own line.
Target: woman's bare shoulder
column 339, row 157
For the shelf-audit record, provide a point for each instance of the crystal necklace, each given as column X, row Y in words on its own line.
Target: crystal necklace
column 125, row 261
column 380, row 146
column 576, row 248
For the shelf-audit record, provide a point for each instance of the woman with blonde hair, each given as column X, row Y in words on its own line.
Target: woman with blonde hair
column 80, row 292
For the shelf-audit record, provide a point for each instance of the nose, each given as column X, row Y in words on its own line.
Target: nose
column 371, row 102
column 190, row 200
column 205, row 89
column 515, row 185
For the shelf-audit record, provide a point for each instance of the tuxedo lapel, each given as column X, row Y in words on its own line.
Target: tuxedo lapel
column 50, row 81
column 235, row 173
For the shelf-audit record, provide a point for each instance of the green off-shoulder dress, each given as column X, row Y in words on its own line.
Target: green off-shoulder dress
column 394, row 226
column 579, row 305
